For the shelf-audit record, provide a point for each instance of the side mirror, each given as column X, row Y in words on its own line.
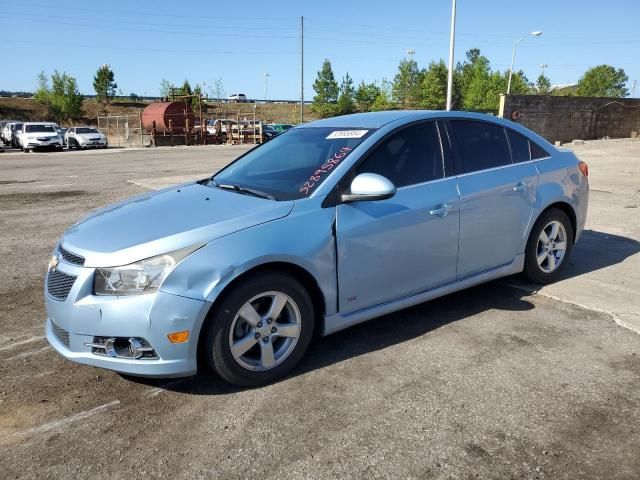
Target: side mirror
column 369, row 186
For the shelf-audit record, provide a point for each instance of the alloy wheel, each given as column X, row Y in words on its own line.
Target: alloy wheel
column 552, row 245
column 265, row 331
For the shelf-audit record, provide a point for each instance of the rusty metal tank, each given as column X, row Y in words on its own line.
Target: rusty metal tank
column 162, row 112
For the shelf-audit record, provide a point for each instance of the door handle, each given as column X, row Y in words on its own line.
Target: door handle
column 442, row 210
column 520, row 187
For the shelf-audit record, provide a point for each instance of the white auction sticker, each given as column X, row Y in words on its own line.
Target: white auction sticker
column 347, row 134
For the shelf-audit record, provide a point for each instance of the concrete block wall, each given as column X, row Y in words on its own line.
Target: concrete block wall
column 569, row 118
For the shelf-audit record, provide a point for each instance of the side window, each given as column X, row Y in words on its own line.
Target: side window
column 537, row 151
column 413, row 155
column 519, row 147
column 481, row 145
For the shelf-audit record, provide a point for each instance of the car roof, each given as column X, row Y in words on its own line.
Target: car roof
column 379, row 119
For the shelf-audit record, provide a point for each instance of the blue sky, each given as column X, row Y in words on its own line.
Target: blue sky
column 146, row 41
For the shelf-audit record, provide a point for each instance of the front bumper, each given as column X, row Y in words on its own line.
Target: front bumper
column 94, row 144
column 43, row 144
column 83, row 316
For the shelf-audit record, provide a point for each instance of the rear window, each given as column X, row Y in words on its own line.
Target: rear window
column 519, row 147
column 537, row 151
column 480, row 145
column 86, row 130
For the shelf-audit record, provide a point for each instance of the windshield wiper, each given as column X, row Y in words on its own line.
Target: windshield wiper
column 250, row 191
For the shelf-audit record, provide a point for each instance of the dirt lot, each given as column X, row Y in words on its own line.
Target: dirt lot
column 28, row 109
column 499, row 381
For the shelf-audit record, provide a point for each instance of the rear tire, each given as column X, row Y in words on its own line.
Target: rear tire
column 260, row 330
column 549, row 247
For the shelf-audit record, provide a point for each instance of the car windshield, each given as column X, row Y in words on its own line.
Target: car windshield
column 293, row 164
column 86, row 130
column 39, row 129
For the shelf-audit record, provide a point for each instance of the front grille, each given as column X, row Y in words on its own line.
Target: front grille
column 61, row 334
column 59, row 284
column 69, row 257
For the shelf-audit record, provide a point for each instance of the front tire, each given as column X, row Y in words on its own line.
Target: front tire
column 260, row 330
column 549, row 247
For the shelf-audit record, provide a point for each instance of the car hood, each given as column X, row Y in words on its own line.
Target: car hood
column 90, row 136
column 166, row 220
column 41, row 135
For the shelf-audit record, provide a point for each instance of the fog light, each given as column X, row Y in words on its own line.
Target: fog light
column 179, row 337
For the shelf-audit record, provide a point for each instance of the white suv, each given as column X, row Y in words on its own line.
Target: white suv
column 238, row 98
column 85, row 137
column 36, row 135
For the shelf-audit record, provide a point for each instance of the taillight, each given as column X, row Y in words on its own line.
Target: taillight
column 584, row 168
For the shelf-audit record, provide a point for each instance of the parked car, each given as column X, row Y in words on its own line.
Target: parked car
column 61, row 131
column 5, row 130
column 238, row 98
column 39, row 135
column 328, row 225
column 268, row 132
column 281, row 127
column 16, row 128
column 85, row 137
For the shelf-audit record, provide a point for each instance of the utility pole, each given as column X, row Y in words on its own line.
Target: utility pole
column 266, row 77
column 301, row 69
column 452, row 40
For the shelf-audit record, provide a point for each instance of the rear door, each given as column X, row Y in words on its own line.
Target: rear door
column 407, row 244
column 497, row 196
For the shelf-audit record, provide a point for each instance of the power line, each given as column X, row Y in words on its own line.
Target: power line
column 155, row 50
column 148, row 13
column 184, row 33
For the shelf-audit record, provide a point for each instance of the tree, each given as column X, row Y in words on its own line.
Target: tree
column 406, row 84
column 464, row 71
column 603, row 81
column 326, row 88
column 165, row 88
column 104, row 84
column 195, row 101
column 434, row 86
column 61, row 95
column 543, row 85
column 383, row 100
column 185, row 89
column 520, row 84
column 217, row 90
column 365, row 95
column 42, row 92
column 475, row 81
column 346, row 103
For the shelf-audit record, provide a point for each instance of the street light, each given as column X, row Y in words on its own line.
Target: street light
column 266, row 78
column 411, row 52
column 536, row 33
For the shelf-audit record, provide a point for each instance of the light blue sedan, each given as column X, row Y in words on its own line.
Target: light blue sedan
column 327, row 225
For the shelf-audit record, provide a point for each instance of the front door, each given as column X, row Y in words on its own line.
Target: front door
column 394, row 248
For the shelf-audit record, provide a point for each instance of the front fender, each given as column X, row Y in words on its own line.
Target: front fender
column 304, row 238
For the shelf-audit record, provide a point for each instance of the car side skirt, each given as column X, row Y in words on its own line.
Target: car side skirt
column 336, row 322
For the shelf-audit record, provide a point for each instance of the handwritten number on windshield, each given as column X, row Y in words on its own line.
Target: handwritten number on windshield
column 324, row 169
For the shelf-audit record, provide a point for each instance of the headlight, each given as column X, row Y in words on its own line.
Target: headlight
column 144, row 276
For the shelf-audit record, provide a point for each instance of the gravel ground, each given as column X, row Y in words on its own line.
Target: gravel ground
column 494, row 382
